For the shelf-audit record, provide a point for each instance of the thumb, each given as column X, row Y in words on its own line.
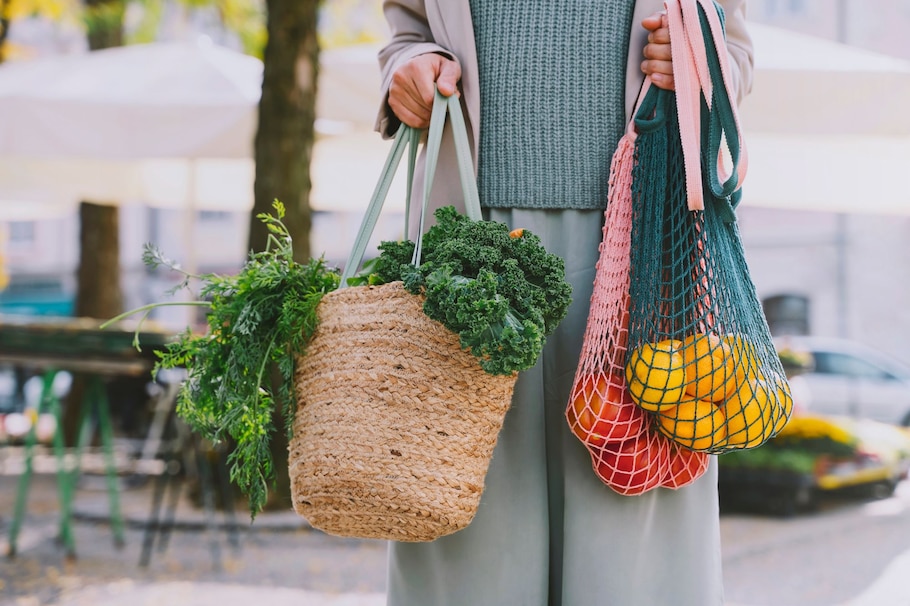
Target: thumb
column 449, row 75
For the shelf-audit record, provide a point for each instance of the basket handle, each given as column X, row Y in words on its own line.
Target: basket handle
column 410, row 137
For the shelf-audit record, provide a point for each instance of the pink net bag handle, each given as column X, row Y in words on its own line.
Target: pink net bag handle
column 692, row 79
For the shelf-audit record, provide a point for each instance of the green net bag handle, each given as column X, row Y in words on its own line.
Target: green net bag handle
column 722, row 121
column 410, row 137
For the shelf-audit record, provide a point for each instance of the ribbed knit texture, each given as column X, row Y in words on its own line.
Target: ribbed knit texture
column 552, row 78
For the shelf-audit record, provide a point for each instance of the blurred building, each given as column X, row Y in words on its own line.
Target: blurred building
column 821, row 273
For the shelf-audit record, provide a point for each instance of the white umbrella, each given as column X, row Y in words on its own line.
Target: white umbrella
column 118, row 125
column 808, row 85
column 825, row 126
column 161, row 100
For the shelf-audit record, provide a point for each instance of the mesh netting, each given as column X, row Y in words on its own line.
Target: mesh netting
column 700, row 356
column 627, row 453
column 677, row 360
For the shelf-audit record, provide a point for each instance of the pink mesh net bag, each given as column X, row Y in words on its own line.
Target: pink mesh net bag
column 627, row 453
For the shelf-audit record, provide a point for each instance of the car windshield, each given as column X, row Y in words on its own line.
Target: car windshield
column 835, row 363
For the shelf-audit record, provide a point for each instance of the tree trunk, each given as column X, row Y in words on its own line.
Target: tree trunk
column 287, row 113
column 104, row 23
column 98, row 292
column 283, row 147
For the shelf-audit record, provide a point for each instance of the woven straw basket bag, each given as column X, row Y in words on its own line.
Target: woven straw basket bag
column 395, row 423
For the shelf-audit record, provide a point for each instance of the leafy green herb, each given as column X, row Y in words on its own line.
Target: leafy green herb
column 258, row 319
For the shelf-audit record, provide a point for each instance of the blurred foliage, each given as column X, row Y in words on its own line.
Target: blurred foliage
column 13, row 10
column 795, row 362
column 348, row 22
column 341, row 23
column 4, row 275
column 51, row 9
column 243, row 18
column 800, row 445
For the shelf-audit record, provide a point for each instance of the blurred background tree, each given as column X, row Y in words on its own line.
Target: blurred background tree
column 287, row 35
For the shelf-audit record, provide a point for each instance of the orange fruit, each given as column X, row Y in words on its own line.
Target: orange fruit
column 656, row 374
column 709, row 367
column 693, row 423
column 749, row 414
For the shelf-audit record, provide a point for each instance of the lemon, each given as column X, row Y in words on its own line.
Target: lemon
column 784, row 408
column 693, row 423
column 749, row 414
column 746, row 364
column 656, row 374
column 710, row 367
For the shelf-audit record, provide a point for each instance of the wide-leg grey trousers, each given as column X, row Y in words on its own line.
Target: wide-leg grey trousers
column 548, row 532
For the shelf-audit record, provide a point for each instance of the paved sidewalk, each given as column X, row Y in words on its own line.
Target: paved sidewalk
column 278, row 560
column 183, row 593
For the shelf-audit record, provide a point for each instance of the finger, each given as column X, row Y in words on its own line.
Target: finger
column 657, row 66
column 409, row 111
column 663, row 81
column 411, row 119
column 415, row 80
column 660, row 72
column 449, row 75
column 653, row 21
column 406, row 100
column 661, row 52
column 660, row 35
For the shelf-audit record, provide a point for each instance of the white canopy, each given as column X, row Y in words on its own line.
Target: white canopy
column 172, row 125
column 826, row 126
column 809, row 85
column 162, row 100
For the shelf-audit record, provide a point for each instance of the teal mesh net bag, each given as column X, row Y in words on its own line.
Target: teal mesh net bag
column 700, row 358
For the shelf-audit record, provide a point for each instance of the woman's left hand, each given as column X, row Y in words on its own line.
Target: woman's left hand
column 658, row 63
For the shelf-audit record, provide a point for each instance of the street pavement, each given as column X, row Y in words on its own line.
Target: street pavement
column 847, row 554
column 278, row 560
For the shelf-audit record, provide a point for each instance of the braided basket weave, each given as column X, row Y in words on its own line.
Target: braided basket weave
column 395, row 423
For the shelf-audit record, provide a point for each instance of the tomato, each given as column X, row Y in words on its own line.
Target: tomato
column 634, row 466
column 602, row 411
column 686, row 466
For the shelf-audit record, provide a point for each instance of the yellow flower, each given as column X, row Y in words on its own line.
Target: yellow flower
column 807, row 427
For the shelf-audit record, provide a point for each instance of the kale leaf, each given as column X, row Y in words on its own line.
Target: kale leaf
column 501, row 293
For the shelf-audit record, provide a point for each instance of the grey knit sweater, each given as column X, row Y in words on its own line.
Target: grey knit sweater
column 551, row 94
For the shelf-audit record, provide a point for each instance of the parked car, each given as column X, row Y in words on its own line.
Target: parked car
column 848, row 378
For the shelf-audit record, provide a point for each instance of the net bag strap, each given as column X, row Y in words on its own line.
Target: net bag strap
column 410, row 137
column 696, row 32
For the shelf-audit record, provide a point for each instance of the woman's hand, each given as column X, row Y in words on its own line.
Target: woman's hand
column 658, row 63
column 414, row 84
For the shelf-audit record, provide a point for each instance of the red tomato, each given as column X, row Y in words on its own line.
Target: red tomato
column 635, row 465
column 603, row 411
column 686, row 466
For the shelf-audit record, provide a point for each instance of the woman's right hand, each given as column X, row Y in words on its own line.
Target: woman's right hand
column 414, row 84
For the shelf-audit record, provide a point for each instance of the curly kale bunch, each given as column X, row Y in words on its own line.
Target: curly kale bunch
column 500, row 291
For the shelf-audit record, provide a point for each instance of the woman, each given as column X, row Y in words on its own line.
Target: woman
column 548, row 89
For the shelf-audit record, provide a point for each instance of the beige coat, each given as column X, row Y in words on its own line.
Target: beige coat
column 426, row 26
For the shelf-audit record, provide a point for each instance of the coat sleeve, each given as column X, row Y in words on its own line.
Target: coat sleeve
column 739, row 46
column 411, row 36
